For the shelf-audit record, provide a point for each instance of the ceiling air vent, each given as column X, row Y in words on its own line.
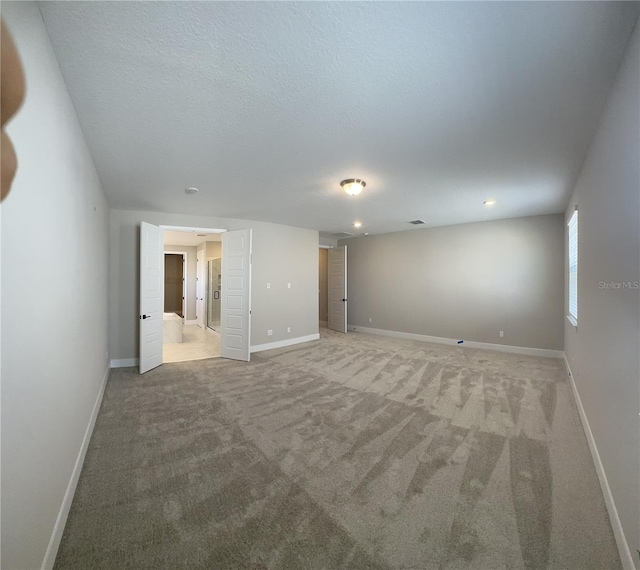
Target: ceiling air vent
column 341, row 235
column 417, row 222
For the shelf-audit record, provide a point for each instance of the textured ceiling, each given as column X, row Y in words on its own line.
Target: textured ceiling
column 266, row 106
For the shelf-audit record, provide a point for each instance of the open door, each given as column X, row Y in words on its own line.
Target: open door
column 235, row 309
column 151, row 296
column 337, row 271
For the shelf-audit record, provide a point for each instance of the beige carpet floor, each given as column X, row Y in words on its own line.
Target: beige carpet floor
column 353, row 451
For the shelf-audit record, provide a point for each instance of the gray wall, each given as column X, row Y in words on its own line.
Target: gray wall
column 54, row 299
column 281, row 255
column 463, row 282
column 603, row 350
column 190, row 250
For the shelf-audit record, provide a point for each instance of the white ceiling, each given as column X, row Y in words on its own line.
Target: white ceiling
column 266, row 106
column 188, row 238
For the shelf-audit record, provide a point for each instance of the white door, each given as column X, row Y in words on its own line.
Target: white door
column 235, row 308
column 200, row 285
column 337, row 271
column 151, row 296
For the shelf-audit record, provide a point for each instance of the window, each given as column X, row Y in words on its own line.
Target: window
column 573, row 268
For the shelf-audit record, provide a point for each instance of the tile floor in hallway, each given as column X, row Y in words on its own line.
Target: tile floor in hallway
column 196, row 344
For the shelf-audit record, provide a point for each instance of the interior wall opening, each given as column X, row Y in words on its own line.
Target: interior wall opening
column 192, row 333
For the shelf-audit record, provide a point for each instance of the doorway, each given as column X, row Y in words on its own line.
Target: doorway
column 188, row 338
column 323, row 286
column 235, row 295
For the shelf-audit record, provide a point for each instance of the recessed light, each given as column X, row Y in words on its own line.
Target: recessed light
column 191, row 190
column 489, row 202
column 357, row 224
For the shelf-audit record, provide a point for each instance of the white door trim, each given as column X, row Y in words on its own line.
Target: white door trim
column 193, row 229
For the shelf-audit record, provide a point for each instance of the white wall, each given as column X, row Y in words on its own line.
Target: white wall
column 54, row 299
column 281, row 255
column 603, row 351
column 190, row 250
column 468, row 282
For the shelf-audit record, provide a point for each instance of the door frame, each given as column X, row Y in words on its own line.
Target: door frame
column 194, row 229
column 185, row 260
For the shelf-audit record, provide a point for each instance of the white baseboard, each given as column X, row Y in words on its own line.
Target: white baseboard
column 618, row 532
column 283, row 343
column 467, row 343
column 193, row 322
column 63, row 513
column 124, row 362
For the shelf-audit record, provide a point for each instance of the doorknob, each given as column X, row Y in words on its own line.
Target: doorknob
column 344, row 300
column 145, row 316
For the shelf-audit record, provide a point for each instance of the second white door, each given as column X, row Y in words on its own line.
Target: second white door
column 235, row 308
column 337, row 272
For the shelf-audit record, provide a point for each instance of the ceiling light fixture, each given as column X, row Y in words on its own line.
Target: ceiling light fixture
column 489, row 202
column 353, row 186
column 357, row 224
column 191, row 190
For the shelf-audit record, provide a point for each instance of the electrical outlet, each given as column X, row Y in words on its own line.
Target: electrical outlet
column 288, row 329
column 370, row 320
column 269, row 332
column 501, row 334
column 288, row 285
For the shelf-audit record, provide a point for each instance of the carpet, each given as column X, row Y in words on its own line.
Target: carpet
column 354, row 451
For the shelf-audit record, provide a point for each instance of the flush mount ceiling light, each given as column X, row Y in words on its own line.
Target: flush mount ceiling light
column 357, row 224
column 489, row 202
column 191, row 190
column 353, row 186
